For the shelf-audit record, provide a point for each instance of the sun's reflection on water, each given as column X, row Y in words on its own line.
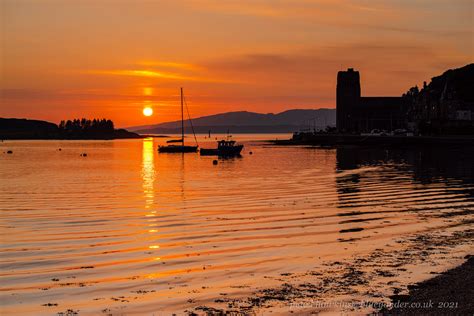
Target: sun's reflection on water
column 148, row 176
column 148, row 171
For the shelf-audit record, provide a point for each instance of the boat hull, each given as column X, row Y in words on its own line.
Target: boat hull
column 177, row 149
column 174, row 141
column 223, row 152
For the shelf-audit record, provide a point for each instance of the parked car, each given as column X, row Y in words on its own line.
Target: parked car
column 375, row 132
column 400, row 132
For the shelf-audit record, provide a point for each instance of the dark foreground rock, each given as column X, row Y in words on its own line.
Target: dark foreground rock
column 450, row 293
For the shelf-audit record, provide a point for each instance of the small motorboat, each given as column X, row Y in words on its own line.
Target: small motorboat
column 225, row 148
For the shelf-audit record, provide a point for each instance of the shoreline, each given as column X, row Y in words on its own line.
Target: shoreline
column 342, row 139
column 450, row 292
column 73, row 139
column 335, row 287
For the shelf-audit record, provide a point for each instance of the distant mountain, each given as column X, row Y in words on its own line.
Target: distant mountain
column 247, row 122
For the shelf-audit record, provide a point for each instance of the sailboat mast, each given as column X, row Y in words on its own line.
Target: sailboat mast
column 182, row 119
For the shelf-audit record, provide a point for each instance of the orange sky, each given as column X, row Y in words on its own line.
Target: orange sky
column 110, row 58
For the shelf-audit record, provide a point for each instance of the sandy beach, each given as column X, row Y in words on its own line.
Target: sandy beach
column 450, row 293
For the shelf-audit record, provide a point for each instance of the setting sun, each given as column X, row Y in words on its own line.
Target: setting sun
column 148, row 111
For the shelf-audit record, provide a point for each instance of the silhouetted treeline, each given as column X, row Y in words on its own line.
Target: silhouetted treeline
column 70, row 129
column 87, row 129
column 86, row 125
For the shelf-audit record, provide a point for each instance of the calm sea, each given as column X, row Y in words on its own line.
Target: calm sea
column 127, row 230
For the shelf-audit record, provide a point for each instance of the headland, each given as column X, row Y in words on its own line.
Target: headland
column 12, row 128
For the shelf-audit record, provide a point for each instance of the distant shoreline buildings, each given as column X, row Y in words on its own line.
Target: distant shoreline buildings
column 355, row 113
column 443, row 107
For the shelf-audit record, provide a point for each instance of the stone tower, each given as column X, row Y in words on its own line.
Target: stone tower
column 347, row 98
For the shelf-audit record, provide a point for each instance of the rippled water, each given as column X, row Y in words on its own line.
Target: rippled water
column 129, row 230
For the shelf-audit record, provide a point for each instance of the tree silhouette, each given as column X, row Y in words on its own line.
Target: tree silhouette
column 87, row 128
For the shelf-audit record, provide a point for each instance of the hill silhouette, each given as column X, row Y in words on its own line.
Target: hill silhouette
column 13, row 128
column 248, row 122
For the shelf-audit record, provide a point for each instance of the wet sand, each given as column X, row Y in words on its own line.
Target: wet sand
column 450, row 293
column 342, row 287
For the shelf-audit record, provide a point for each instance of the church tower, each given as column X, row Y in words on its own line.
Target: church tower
column 347, row 97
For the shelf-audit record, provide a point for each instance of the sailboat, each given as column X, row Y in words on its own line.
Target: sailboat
column 179, row 148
